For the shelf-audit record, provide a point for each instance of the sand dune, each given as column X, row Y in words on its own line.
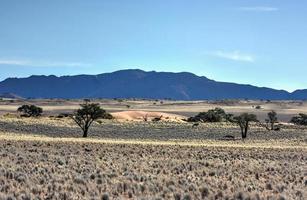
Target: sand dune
column 142, row 115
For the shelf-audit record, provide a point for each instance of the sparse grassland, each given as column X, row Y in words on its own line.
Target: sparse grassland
column 52, row 169
column 46, row 158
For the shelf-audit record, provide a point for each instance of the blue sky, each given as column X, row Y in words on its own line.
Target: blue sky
column 261, row 42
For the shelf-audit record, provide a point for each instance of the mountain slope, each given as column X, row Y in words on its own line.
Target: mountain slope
column 137, row 84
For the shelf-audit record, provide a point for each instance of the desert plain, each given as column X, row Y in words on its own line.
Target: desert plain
column 130, row 158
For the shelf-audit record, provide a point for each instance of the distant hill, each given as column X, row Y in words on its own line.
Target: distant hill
column 136, row 83
column 9, row 96
column 299, row 94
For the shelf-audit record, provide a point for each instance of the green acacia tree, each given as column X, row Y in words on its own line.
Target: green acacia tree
column 213, row 115
column 30, row 110
column 243, row 121
column 87, row 114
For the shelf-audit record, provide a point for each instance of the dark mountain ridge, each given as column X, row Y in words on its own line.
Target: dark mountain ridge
column 135, row 83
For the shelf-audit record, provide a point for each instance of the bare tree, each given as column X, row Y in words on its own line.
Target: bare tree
column 145, row 118
column 272, row 119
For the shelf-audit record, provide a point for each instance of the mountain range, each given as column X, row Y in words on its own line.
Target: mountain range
column 135, row 83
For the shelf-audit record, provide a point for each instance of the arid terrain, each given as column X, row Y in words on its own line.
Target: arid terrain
column 285, row 109
column 129, row 158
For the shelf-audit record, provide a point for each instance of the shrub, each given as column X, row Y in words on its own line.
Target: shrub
column 301, row 119
column 156, row 119
column 258, row 107
column 30, row 110
column 87, row 114
column 105, row 196
column 214, row 115
column 62, row 115
column 229, row 117
column 145, row 118
column 107, row 116
column 243, row 121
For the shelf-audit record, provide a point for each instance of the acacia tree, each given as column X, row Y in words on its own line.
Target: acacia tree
column 87, row 114
column 243, row 121
column 30, row 110
column 272, row 119
column 213, row 115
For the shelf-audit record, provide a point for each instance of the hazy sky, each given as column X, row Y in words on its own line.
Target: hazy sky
column 261, row 42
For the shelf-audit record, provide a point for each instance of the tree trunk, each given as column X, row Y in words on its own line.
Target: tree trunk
column 242, row 133
column 245, row 131
column 272, row 126
column 85, row 132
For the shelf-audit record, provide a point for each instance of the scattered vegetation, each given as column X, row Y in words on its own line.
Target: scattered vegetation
column 48, row 169
column 30, row 110
column 149, row 130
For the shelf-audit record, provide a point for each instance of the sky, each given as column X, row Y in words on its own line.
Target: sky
column 258, row 42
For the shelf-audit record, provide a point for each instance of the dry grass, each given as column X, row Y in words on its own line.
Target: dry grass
column 264, row 144
column 47, row 168
column 45, row 158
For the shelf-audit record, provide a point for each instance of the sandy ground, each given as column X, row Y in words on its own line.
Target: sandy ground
column 146, row 115
column 46, row 157
column 285, row 109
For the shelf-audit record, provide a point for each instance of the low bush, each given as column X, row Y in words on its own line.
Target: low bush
column 214, row 115
column 156, row 119
column 30, row 110
column 62, row 115
column 301, row 119
column 258, row 107
column 107, row 116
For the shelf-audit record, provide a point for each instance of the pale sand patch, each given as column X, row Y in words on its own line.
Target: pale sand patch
column 142, row 115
